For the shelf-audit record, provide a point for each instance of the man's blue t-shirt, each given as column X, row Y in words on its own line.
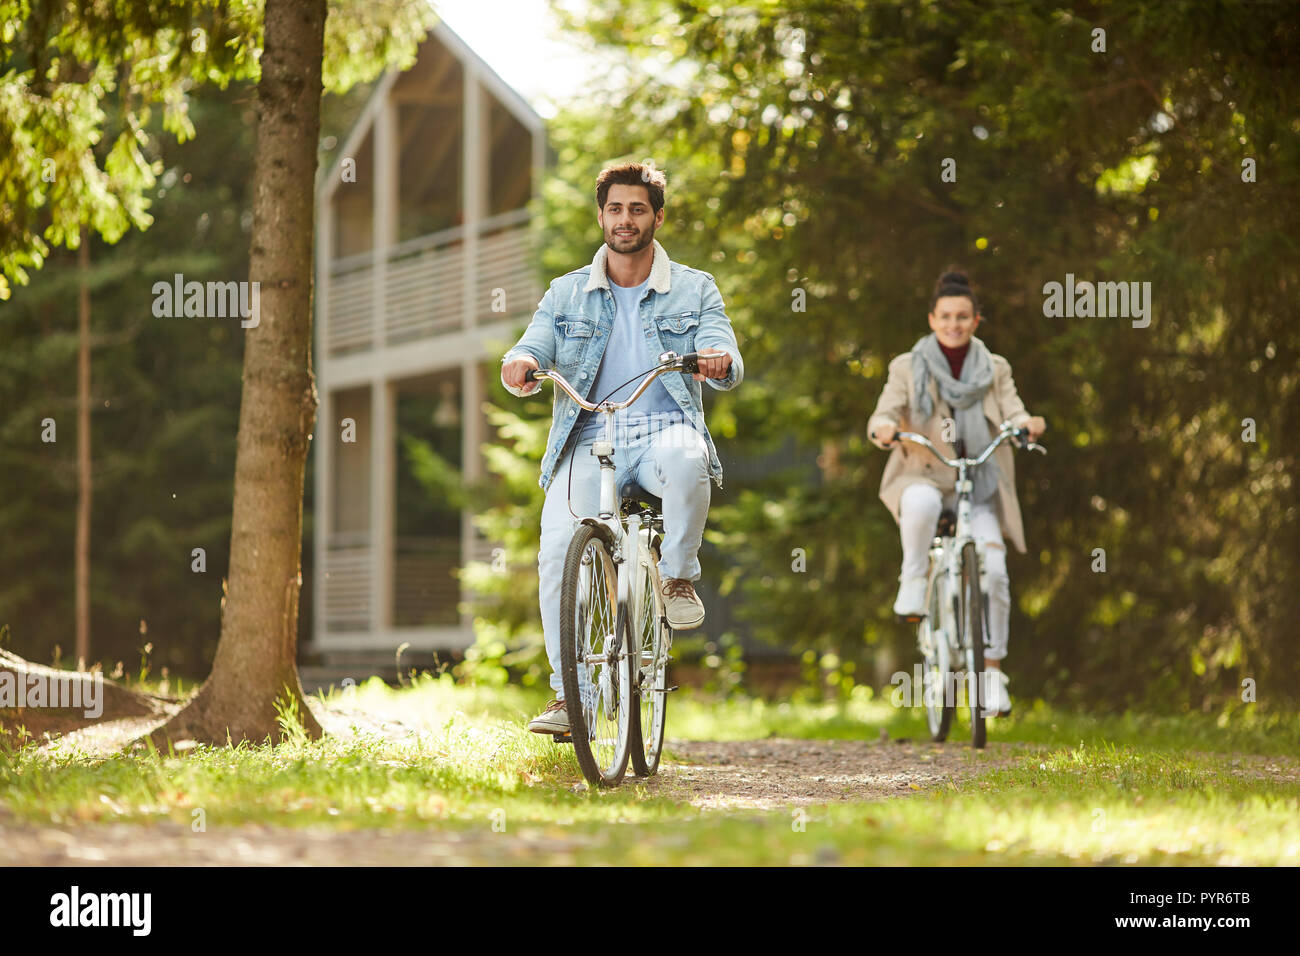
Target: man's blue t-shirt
column 627, row 356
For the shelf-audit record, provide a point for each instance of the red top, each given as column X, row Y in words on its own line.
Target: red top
column 955, row 357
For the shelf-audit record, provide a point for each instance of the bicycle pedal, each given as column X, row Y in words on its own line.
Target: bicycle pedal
column 669, row 690
column 910, row 618
column 562, row 738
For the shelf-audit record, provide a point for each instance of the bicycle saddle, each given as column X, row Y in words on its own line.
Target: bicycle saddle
column 633, row 492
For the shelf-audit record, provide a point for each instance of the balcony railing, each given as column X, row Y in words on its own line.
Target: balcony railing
column 347, row 588
column 424, row 285
column 426, row 591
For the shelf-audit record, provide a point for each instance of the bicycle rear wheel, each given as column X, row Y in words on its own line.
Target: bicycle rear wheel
column 936, row 672
column 594, row 658
column 650, row 637
column 972, row 620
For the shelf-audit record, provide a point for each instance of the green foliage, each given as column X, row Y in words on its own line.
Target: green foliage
column 804, row 144
column 288, row 717
column 507, row 508
column 79, row 84
column 508, row 512
column 165, row 395
column 98, row 106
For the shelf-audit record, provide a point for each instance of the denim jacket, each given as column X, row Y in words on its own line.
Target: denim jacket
column 681, row 311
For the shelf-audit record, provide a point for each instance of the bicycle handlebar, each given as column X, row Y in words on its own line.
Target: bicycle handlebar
column 671, row 362
column 1007, row 431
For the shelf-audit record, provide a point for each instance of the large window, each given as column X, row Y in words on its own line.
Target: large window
column 351, row 463
column 427, row 518
column 510, row 159
column 430, row 107
column 354, row 202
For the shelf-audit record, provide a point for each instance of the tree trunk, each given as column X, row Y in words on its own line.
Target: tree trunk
column 255, row 667
column 83, row 451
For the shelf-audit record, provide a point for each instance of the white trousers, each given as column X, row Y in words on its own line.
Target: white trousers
column 918, row 514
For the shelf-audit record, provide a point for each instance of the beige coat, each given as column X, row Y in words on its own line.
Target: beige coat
column 909, row 463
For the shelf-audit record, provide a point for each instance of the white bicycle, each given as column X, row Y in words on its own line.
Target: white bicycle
column 955, row 625
column 614, row 635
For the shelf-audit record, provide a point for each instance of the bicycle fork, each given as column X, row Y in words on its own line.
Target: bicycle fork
column 609, row 691
column 952, row 572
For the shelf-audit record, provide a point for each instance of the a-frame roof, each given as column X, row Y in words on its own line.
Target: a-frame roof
column 451, row 41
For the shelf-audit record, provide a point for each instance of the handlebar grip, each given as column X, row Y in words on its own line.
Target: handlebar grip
column 1022, row 440
column 529, row 375
column 691, row 362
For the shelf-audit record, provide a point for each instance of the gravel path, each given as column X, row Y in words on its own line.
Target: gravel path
column 765, row 774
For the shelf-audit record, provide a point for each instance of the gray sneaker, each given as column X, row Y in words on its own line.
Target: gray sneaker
column 553, row 720
column 681, row 605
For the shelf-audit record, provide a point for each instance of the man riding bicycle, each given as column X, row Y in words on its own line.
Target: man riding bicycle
column 602, row 326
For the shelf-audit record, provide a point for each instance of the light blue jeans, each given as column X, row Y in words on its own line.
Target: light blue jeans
column 670, row 461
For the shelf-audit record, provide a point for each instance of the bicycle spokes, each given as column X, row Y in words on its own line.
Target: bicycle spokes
column 652, row 638
column 598, row 649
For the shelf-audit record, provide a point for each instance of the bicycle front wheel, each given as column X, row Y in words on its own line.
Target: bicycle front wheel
column 972, row 620
column 594, row 659
column 650, row 637
column 936, row 674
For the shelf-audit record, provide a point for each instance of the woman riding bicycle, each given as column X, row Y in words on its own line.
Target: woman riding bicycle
column 951, row 387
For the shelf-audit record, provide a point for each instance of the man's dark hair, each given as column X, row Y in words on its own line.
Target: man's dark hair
column 632, row 174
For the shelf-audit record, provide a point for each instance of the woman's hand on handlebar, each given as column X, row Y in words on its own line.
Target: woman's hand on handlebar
column 883, row 436
column 1035, row 426
column 512, row 373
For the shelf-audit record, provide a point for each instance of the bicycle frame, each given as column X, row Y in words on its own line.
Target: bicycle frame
column 630, row 529
column 964, row 485
column 948, row 553
column 604, row 448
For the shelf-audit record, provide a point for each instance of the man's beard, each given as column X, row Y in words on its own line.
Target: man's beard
column 645, row 239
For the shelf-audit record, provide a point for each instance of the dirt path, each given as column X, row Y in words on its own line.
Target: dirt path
column 776, row 772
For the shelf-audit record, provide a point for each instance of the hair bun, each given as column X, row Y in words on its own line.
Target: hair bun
column 954, row 282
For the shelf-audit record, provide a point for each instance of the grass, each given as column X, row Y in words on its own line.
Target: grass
column 1033, row 722
column 1082, row 789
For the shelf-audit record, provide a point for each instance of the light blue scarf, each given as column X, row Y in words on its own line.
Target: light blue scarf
column 965, row 395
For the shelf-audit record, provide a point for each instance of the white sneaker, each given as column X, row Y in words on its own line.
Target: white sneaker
column 997, row 700
column 553, row 720
column 911, row 598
